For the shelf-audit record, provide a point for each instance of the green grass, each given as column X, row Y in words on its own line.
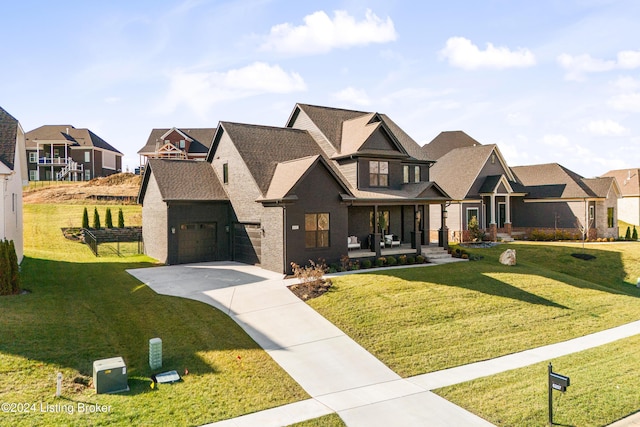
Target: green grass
column 604, row 388
column 419, row 320
column 332, row 420
column 82, row 308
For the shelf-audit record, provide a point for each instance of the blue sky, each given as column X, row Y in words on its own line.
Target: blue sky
column 548, row 81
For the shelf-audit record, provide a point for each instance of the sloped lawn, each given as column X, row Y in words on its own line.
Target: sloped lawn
column 424, row 319
column 81, row 308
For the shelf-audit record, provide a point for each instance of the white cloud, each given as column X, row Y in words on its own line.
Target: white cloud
column 461, row 53
column 606, row 128
column 577, row 66
column 200, row 90
column 556, row 140
column 112, row 100
column 353, row 96
column 626, row 102
column 626, row 83
column 518, row 119
column 320, row 33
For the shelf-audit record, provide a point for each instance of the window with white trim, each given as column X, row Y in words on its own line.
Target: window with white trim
column 33, row 157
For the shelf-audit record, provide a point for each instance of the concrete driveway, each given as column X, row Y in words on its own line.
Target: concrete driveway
column 345, row 377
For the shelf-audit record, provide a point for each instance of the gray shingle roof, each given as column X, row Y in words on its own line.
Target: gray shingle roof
column 447, row 141
column 457, row 170
column 263, row 147
column 77, row 137
column 552, row 181
column 600, row 186
column 628, row 180
column 8, row 135
column 187, row 180
column 202, row 139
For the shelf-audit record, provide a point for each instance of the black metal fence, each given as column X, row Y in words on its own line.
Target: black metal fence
column 115, row 241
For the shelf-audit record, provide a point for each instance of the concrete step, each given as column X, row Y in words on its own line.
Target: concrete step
column 504, row 237
column 435, row 253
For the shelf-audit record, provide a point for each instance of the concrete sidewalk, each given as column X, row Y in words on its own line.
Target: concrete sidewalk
column 346, row 378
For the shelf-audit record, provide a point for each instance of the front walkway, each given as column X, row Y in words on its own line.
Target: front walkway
column 346, row 378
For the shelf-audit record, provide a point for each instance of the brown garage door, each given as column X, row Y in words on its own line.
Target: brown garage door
column 247, row 243
column 197, row 242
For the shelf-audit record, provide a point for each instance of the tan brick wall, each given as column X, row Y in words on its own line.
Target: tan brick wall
column 154, row 222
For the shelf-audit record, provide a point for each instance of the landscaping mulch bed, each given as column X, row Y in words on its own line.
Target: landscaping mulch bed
column 585, row 257
column 309, row 290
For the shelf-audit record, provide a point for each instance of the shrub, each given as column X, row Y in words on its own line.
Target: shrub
column 309, row 273
column 411, row 260
column 381, row 261
column 475, row 233
column 391, row 260
column 420, row 259
column 402, row 259
column 9, row 269
column 96, row 219
column 85, row 218
column 345, row 263
column 120, row 218
column 634, row 235
column 366, row 263
column 108, row 220
column 627, row 235
column 464, row 256
column 355, row 265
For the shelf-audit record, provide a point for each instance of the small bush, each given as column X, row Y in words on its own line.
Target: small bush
column 108, row 220
column 411, row 260
column 345, row 263
column 9, row 269
column 309, row 273
column 420, row 259
column 627, row 235
column 381, row 261
column 391, row 260
column 402, row 259
column 366, row 263
column 634, row 235
column 96, row 219
column 85, row 218
column 464, row 256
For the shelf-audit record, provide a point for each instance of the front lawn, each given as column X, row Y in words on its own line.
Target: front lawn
column 604, row 388
column 424, row 319
column 82, row 308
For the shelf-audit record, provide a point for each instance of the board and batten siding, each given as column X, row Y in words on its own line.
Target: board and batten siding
column 155, row 222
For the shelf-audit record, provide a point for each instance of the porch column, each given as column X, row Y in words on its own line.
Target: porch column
column 52, row 177
column 507, row 221
column 443, row 233
column 416, row 229
column 376, row 234
column 493, row 227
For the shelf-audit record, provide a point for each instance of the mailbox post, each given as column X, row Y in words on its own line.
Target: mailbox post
column 556, row 382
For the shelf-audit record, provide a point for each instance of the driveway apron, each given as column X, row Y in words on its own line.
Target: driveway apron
column 336, row 371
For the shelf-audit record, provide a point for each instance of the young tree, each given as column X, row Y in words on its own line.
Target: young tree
column 96, row 219
column 634, row 235
column 108, row 221
column 5, row 285
column 627, row 235
column 85, row 218
column 120, row 218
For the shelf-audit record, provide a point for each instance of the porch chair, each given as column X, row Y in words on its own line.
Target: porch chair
column 353, row 243
column 391, row 240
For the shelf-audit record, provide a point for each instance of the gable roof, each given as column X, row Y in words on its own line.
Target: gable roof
column 335, row 125
column 67, row 133
column 263, row 147
column 602, row 186
column 201, row 139
column 289, row 173
column 553, row 181
column 457, row 170
column 628, row 181
column 8, row 135
column 187, row 180
column 447, row 141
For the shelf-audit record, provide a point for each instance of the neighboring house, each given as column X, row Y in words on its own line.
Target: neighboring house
column 558, row 198
column 514, row 201
column 174, row 143
column 302, row 192
column 629, row 203
column 13, row 175
column 64, row 153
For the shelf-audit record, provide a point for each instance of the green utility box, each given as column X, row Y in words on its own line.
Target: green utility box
column 110, row 375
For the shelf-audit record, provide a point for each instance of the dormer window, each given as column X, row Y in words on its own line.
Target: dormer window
column 378, row 173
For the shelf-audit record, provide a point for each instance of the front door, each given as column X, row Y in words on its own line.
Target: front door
column 502, row 214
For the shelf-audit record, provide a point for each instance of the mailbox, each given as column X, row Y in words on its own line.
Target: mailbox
column 559, row 382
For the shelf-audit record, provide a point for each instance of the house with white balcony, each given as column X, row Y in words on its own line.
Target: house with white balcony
column 65, row 153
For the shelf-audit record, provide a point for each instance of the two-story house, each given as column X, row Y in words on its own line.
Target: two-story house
column 306, row 191
column 13, row 175
column 175, row 143
column 64, row 153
